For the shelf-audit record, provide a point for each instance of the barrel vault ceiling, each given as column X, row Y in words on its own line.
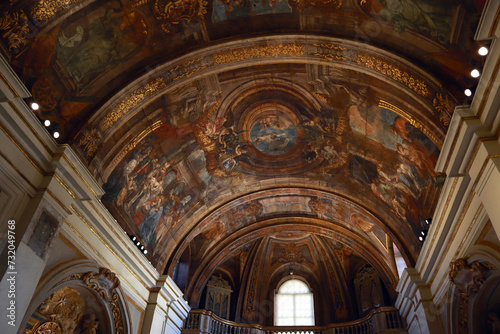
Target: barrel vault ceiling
column 227, row 129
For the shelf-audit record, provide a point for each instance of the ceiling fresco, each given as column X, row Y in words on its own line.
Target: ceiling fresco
column 231, row 133
column 74, row 54
column 200, row 153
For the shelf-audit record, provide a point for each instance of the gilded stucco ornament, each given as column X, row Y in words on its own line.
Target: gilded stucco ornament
column 45, row 10
column 104, row 283
column 259, row 51
column 63, row 312
column 14, row 26
column 381, row 66
column 48, row 327
column 468, row 279
column 132, row 100
column 444, row 105
column 174, row 12
column 89, row 142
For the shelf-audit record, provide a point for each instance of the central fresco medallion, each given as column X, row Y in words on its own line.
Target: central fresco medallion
column 273, row 133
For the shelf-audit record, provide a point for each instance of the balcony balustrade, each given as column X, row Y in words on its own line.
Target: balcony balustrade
column 379, row 321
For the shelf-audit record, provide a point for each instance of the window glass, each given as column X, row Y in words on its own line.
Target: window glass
column 294, row 304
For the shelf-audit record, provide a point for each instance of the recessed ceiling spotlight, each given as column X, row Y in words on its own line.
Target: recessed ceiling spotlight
column 56, row 134
column 483, row 51
column 145, row 251
column 35, row 106
column 138, row 243
column 475, row 73
column 467, row 92
column 421, row 238
column 46, row 122
column 134, row 238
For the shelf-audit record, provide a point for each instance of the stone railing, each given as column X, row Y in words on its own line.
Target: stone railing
column 378, row 321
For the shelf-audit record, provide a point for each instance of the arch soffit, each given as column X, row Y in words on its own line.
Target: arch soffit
column 351, row 239
column 198, row 223
column 391, row 69
column 82, row 274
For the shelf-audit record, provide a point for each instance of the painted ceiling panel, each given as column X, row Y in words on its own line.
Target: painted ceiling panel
column 215, row 126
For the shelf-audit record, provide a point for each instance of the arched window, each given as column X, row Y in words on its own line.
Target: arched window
column 294, row 304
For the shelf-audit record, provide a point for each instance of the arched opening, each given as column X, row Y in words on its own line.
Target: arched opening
column 294, row 304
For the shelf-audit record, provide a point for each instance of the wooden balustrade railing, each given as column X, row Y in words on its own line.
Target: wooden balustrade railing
column 381, row 320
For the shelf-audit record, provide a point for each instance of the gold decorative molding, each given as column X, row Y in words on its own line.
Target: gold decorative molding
column 468, row 279
column 173, row 12
column 259, row 51
column 411, row 120
column 134, row 142
column 320, row 97
column 119, row 258
column 381, row 66
column 444, row 106
column 103, row 283
column 65, row 186
column 132, row 100
column 45, row 10
column 89, row 141
column 15, row 27
column 330, row 46
column 79, row 174
column 8, row 84
column 329, row 56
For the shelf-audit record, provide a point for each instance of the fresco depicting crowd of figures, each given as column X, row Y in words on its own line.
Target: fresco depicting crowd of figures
column 200, row 149
column 188, row 161
column 65, row 66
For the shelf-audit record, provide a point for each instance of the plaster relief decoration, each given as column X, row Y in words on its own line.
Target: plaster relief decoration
column 63, row 312
column 173, row 12
column 218, row 296
column 14, row 27
column 368, row 290
column 468, row 278
column 291, row 254
column 43, row 233
column 46, row 10
column 106, row 285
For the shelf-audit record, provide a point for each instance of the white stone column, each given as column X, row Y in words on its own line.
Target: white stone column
column 416, row 305
column 166, row 309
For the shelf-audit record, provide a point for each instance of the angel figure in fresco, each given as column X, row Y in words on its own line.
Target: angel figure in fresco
column 105, row 42
column 418, row 15
column 219, row 142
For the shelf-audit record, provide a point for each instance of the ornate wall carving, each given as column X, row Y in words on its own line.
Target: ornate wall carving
column 63, row 312
column 218, row 296
column 368, row 289
column 468, row 279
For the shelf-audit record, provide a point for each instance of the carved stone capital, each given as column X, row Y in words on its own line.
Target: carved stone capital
column 468, row 277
